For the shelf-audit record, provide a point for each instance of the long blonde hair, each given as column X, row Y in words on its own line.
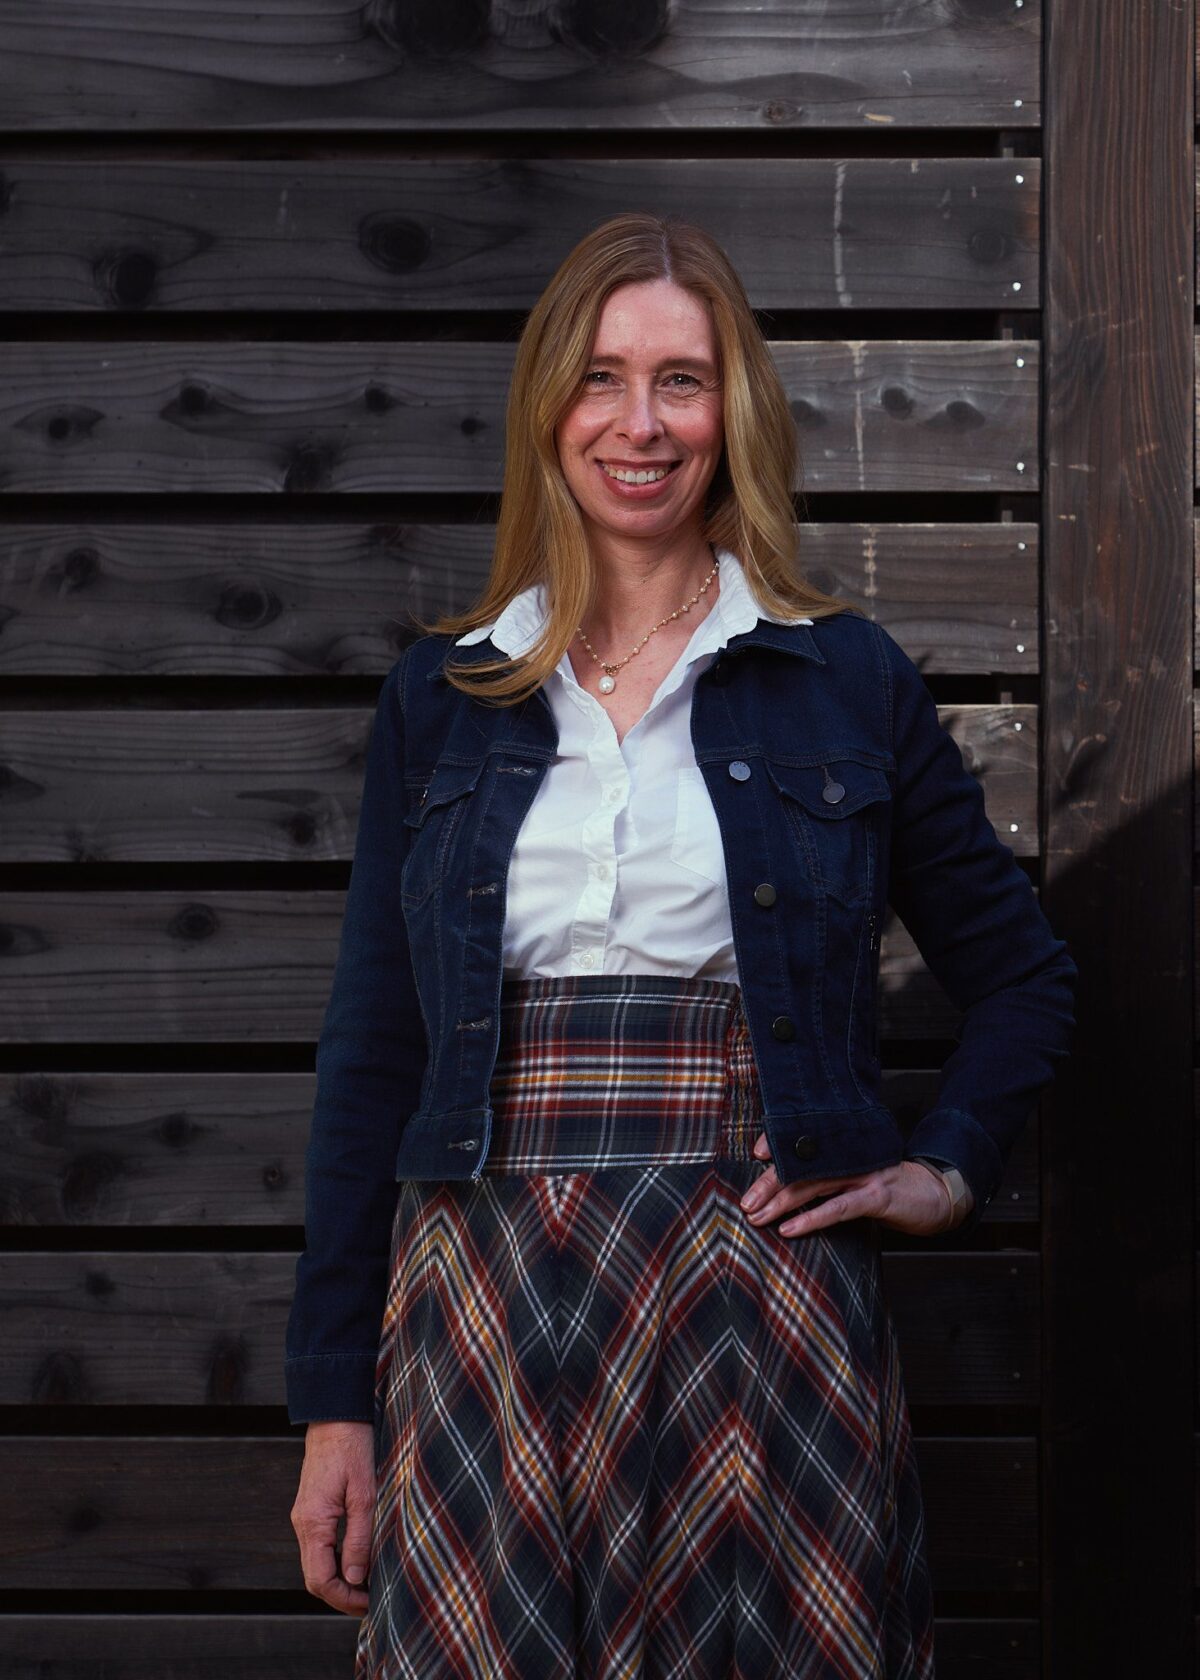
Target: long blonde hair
column 540, row 534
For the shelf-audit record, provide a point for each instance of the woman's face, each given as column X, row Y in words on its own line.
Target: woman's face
column 650, row 402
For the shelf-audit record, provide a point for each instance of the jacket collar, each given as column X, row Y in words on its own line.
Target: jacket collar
column 519, row 625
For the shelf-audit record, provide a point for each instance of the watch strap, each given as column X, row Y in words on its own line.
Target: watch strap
column 955, row 1183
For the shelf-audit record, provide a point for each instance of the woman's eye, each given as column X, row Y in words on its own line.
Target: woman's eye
column 596, row 374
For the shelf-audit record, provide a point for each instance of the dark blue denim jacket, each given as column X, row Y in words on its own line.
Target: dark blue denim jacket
column 833, row 781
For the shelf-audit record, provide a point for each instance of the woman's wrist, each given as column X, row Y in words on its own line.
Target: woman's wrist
column 951, row 1218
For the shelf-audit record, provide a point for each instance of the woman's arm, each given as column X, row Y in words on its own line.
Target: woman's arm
column 977, row 923
column 370, row 1061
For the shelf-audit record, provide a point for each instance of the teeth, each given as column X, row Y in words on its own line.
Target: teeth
column 623, row 477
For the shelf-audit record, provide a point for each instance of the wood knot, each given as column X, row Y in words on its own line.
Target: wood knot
column 125, row 279
column 395, row 244
column 193, row 923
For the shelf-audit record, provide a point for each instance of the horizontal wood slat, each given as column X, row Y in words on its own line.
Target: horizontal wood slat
column 333, row 598
column 244, row 967
column 321, row 1647
column 194, row 1512
column 440, row 234
column 180, row 1329
column 151, row 418
column 284, row 784
column 149, row 1646
column 227, row 1149
column 742, row 65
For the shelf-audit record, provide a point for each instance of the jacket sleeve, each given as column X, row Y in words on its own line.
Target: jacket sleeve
column 370, row 1060
column 977, row 923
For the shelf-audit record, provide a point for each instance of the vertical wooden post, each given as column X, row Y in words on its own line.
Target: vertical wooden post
column 1117, row 1593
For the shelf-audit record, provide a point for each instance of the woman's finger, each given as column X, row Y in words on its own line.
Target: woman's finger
column 356, row 1544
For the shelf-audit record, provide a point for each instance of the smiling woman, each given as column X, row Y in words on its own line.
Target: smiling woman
column 609, row 1386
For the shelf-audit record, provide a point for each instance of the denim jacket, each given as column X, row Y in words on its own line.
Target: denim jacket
column 837, row 792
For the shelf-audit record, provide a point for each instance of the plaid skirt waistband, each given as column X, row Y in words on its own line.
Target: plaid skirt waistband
column 621, row 1070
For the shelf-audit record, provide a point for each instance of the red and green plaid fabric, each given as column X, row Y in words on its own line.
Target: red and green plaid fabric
column 621, row 1433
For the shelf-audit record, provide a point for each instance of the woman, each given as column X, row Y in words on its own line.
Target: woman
column 609, row 1386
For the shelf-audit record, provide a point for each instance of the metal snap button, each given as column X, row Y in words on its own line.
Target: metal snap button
column 832, row 792
column 739, row 770
column 783, row 1027
column 765, row 893
column 805, row 1147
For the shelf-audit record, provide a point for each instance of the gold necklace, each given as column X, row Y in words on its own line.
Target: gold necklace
column 609, row 680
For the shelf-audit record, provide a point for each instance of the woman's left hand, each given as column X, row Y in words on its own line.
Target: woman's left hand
column 906, row 1196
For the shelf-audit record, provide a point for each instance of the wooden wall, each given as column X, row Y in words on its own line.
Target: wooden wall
column 261, row 272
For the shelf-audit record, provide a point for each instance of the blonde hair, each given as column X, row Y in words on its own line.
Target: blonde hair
column 540, row 534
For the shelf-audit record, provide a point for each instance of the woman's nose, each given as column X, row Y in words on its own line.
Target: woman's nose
column 639, row 420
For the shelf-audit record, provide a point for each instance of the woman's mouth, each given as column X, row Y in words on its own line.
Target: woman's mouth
column 646, row 479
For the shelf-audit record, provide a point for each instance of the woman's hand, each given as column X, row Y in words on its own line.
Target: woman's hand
column 907, row 1196
column 338, row 1476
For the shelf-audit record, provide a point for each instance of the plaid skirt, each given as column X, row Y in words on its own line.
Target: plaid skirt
column 620, row 1432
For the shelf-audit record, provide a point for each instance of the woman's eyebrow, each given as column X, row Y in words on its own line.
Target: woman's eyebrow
column 665, row 361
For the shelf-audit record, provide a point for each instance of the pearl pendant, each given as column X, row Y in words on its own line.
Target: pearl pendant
column 607, row 684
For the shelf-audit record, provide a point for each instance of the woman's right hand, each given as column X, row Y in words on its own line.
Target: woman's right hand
column 338, row 1476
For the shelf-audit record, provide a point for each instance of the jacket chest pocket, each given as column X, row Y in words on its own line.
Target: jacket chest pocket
column 834, row 810
column 435, row 815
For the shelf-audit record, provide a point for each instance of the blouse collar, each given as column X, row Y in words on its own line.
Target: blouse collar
column 520, row 624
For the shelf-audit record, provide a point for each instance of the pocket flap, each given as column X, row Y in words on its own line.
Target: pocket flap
column 447, row 783
column 836, row 788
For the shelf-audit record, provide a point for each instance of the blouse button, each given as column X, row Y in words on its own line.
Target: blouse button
column 739, row 770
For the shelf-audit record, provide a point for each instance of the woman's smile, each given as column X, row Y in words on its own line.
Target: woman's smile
column 638, row 483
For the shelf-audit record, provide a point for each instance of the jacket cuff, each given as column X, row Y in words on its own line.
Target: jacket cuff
column 957, row 1137
column 329, row 1387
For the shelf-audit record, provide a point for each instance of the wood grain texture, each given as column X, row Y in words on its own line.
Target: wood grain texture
column 1119, row 339
column 334, row 598
column 567, row 65
column 254, row 1646
column 150, row 418
column 104, row 1512
column 247, row 967
column 196, row 1329
column 226, row 1150
column 441, row 234
column 284, row 784
column 321, row 1647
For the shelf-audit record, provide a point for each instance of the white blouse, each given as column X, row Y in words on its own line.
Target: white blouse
column 618, row 866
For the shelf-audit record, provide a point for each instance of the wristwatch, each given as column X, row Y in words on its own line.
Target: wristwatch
column 960, row 1196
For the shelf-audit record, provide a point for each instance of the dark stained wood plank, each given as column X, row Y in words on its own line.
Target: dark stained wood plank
column 195, row 1329
column 443, row 234
column 284, row 784
column 151, row 1646
column 152, row 418
column 154, row 1149
column 743, row 65
column 89, row 598
column 244, row 967
column 157, row 966
column 104, row 1512
column 281, row 784
column 308, row 598
column 227, row 1149
column 1118, row 332
column 321, row 1647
